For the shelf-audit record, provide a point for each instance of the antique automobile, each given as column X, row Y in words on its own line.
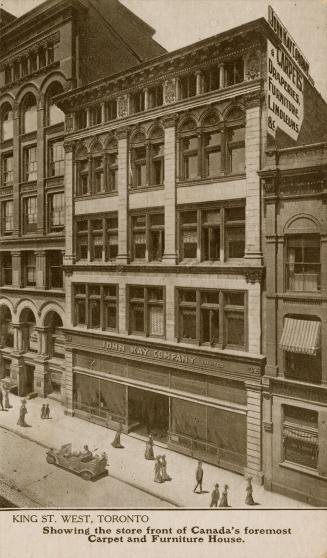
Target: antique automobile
column 84, row 463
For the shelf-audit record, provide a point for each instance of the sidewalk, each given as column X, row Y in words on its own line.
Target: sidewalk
column 129, row 465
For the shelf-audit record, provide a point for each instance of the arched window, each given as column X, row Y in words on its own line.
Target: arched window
column 189, row 150
column 97, row 169
column 138, row 159
column 211, row 144
column 235, row 142
column 30, row 336
column 157, row 146
column 6, row 329
column 7, row 121
column 29, row 114
column 82, row 172
column 54, row 114
column 112, row 166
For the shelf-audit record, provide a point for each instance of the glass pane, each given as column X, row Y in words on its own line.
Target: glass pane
column 86, row 393
column 156, row 321
column 213, row 161
column 187, row 296
column 211, row 244
column 237, row 163
column 191, row 166
column 95, row 313
column 234, row 299
column 188, row 324
column 138, row 319
column 235, row 330
column 111, row 316
column 235, row 242
column 210, row 326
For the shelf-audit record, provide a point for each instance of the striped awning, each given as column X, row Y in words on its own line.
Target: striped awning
column 301, row 336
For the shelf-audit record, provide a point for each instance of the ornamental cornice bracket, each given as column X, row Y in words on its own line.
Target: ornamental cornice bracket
column 253, row 99
column 69, row 146
column 254, row 276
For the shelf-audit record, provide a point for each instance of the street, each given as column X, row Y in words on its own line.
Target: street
column 24, row 468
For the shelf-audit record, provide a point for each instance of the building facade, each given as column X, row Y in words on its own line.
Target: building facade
column 295, row 394
column 51, row 49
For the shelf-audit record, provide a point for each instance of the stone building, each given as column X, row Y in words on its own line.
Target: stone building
column 53, row 48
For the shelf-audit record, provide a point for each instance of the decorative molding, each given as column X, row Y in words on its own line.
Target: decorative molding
column 254, row 275
column 69, row 123
column 122, row 133
column 170, row 121
column 252, row 65
column 69, row 146
column 268, row 426
column 169, row 91
column 122, row 106
column 253, row 99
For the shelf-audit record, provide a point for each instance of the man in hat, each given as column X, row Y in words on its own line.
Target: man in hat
column 1, row 399
column 199, row 477
column 215, row 497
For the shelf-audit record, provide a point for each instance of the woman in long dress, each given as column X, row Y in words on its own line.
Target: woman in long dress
column 116, row 441
column 22, row 413
column 7, row 404
column 223, row 500
column 158, row 470
column 249, row 491
column 164, row 474
column 149, row 448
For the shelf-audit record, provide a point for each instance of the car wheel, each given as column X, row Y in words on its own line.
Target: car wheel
column 86, row 475
column 50, row 459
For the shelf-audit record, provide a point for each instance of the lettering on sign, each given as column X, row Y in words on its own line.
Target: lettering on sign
column 284, row 93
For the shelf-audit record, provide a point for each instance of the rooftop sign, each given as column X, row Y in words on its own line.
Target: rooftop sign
column 287, row 41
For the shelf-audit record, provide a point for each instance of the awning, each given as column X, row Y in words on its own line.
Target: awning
column 301, row 336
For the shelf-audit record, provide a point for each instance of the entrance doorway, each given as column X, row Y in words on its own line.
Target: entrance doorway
column 29, row 385
column 148, row 412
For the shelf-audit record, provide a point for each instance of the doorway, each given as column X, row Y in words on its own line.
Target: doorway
column 148, row 412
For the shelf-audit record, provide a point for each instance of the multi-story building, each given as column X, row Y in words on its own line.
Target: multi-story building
column 295, row 394
column 55, row 47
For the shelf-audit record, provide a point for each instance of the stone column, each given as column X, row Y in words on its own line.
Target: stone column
column 41, row 269
column 123, row 256
column 221, row 76
column 146, row 99
column 103, row 112
column 69, row 257
column 17, row 279
column 43, row 345
column 88, row 117
column 253, row 194
column 254, row 311
column 18, row 373
column 198, row 74
column 253, row 439
column 170, row 255
column 41, row 171
column 42, row 380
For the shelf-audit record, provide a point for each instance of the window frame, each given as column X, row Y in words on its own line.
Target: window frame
column 53, row 162
column 5, row 172
column 101, row 298
column 301, row 237
column 29, row 227
column 52, row 210
column 5, row 218
column 147, row 229
column 146, row 302
column 28, row 163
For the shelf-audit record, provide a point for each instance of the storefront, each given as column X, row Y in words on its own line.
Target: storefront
column 200, row 406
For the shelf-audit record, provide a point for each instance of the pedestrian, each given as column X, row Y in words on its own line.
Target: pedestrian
column 149, row 448
column 47, row 411
column 199, row 477
column 158, row 470
column 43, row 411
column 22, row 413
column 7, row 404
column 1, row 399
column 215, row 496
column 223, row 500
column 249, row 493
column 116, row 441
column 164, row 474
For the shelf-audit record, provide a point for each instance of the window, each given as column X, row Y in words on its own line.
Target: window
column 54, row 114
column 111, row 110
column 95, row 115
column 30, row 214
column 50, row 54
column 7, row 123
column 56, row 158
column 56, row 211
column 211, row 317
column 42, row 58
column 146, row 311
column 302, row 367
column 16, row 70
column 54, row 269
column 300, row 436
column 97, row 238
column 157, row 157
column 303, row 263
column 33, row 62
column 234, row 71
column 82, row 172
column 98, row 178
column 7, row 217
column 29, row 269
column 7, row 74
column 96, row 306
column 211, row 80
column 155, row 96
column 138, row 156
column 187, row 86
column 81, row 119
column 211, row 141
column 212, row 234
column 7, row 169
column 236, row 150
column 30, row 163
column 29, row 114
column 112, row 166
column 189, row 151
column 6, row 263
column 137, row 102
column 24, row 67
column 148, row 236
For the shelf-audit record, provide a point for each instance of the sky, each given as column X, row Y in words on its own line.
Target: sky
column 182, row 22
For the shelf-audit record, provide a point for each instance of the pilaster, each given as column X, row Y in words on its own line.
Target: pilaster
column 253, row 442
column 69, row 256
column 170, row 255
column 123, row 197
column 41, row 269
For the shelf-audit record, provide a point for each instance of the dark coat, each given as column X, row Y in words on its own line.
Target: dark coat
column 199, row 473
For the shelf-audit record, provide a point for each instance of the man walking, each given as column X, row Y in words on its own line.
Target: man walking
column 199, row 477
column 215, row 497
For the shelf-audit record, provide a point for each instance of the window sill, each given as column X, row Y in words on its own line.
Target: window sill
column 92, row 196
column 146, row 188
column 302, row 469
column 196, row 181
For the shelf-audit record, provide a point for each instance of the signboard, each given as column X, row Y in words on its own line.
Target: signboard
column 288, row 43
column 285, row 85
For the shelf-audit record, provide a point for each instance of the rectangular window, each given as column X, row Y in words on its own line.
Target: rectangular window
column 24, row 67
column 55, row 270
column 156, row 236
column 157, row 163
column 95, row 115
column 211, row 224
column 187, row 86
column 155, row 96
column 303, row 263
column 235, row 232
column 139, row 174
column 190, row 162
column 82, row 240
column 102, row 233
column 80, row 119
column 211, row 79
column 50, row 54
column 300, row 436
column 137, row 102
column 146, row 311
column 7, row 217
column 6, row 262
column 96, row 306
column 56, row 211
column 148, row 236
column 236, row 150
column 303, row 367
column 94, row 302
column 234, row 71
column 56, row 158
column 30, row 214
column 112, row 238
column 7, row 74
column 33, row 62
column 83, row 177
column 112, row 174
column 211, row 317
column 98, row 182
column 16, row 71
column 110, row 305
column 80, row 304
column 42, row 58
column 111, row 110
column 97, row 239
column 189, row 235
column 29, row 164
column 212, row 154
column 139, row 237
column 29, row 267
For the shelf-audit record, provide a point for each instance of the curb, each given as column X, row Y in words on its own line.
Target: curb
column 121, row 479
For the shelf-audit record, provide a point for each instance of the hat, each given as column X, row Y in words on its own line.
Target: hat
column 216, row 485
column 24, row 401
